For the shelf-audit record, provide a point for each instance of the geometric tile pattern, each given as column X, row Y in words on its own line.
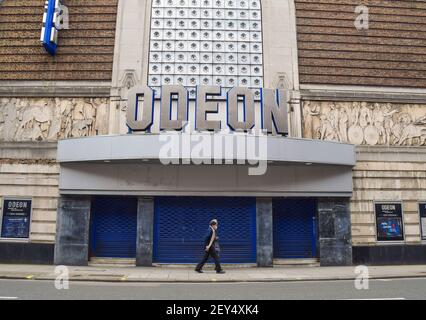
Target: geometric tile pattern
column 206, row 42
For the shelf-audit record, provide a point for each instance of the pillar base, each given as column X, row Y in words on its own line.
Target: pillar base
column 264, row 233
column 334, row 232
column 145, row 239
column 72, row 231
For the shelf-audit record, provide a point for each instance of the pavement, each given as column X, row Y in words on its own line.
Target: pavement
column 186, row 274
column 215, row 293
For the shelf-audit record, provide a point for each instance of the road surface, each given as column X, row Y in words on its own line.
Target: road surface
column 378, row 289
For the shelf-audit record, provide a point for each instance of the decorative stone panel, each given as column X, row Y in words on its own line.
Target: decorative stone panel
column 364, row 123
column 50, row 119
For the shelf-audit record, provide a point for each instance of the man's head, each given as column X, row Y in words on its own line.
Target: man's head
column 213, row 224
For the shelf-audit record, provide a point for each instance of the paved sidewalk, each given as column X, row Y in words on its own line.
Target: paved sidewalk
column 186, row 274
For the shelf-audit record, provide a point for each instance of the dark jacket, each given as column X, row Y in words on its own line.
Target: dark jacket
column 208, row 237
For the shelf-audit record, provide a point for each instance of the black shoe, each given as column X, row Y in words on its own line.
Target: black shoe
column 199, row 271
column 220, row 272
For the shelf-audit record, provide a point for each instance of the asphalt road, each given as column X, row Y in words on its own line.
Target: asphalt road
column 378, row 289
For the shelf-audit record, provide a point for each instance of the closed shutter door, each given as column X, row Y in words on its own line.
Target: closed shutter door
column 114, row 224
column 294, row 228
column 181, row 224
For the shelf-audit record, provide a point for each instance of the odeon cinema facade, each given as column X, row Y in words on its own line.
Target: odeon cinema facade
column 131, row 124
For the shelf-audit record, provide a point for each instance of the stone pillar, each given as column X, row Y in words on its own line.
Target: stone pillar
column 296, row 121
column 334, row 224
column 145, row 232
column 264, row 232
column 72, row 231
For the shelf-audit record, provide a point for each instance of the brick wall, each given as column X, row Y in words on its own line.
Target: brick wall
column 392, row 52
column 85, row 50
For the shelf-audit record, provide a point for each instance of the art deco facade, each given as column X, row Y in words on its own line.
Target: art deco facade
column 364, row 87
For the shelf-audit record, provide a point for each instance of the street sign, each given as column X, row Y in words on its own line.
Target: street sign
column 49, row 32
column 274, row 109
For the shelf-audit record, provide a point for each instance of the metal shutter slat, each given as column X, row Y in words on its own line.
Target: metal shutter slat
column 181, row 224
column 294, row 228
column 114, row 224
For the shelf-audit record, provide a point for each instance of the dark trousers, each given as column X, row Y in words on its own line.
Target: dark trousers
column 211, row 253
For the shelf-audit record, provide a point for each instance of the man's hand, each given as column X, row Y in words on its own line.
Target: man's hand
column 207, row 248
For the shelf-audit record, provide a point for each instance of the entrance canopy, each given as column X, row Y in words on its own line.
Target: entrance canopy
column 149, row 164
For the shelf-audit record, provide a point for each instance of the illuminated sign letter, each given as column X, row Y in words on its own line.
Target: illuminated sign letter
column 246, row 96
column 170, row 94
column 140, row 119
column 275, row 110
column 205, row 107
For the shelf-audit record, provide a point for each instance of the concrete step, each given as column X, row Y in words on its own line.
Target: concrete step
column 209, row 265
column 296, row 262
column 116, row 262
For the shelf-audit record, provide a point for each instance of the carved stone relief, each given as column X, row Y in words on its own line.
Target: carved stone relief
column 50, row 119
column 364, row 123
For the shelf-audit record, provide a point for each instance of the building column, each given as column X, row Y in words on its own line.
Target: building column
column 264, row 232
column 334, row 224
column 72, row 231
column 145, row 231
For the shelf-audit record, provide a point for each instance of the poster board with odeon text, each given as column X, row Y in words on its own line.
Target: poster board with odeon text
column 422, row 212
column 16, row 218
column 389, row 221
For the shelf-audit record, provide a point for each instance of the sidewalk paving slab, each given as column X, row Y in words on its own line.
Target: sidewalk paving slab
column 188, row 275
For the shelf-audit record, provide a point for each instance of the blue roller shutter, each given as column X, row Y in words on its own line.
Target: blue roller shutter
column 294, row 228
column 182, row 222
column 113, row 227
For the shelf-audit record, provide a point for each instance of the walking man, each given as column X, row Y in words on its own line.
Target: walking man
column 211, row 248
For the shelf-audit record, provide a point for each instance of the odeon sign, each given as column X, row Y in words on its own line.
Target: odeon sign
column 49, row 31
column 240, row 109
